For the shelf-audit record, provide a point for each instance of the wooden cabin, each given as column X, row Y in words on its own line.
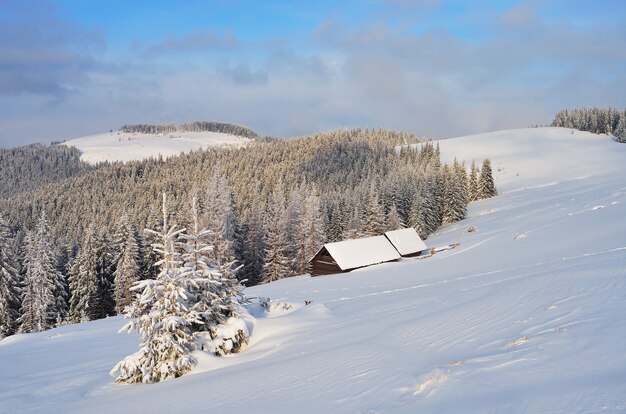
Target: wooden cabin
column 346, row 255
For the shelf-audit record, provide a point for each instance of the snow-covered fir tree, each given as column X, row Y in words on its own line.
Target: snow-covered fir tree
column 215, row 294
column 312, row 227
column 128, row 264
column 374, row 221
column 219, row 216
column 44, row 300
column 295, row 231
column 277, row 264
column 9, row 284
column 149, row 256
column 473, row 190
column 620, row 130
column 254, row 243
column 394, row 221
column 485, row 183
column 89, row 278
column 163, row 316
column 354, row 226
column 455, row 205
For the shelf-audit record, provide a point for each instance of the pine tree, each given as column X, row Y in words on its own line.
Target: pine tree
column 620, row 131
column 90, row 279
column 219, row 217
column 44, row 303
column 163, row 317
column 149, row 268
column 354, row 226
column 455, row 206
column 485, row 183
column 313, row 224
column 374, row 215
column 294, row 231
column 9, row 284
column 127, row 269
column 473, row 191
column 394, row 221
column 215, row 295
column 277, row 264
column 254, row 244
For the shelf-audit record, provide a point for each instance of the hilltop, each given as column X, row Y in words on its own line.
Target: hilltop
column 129, row 145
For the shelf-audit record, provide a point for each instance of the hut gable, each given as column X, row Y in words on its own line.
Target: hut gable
column 406, row 241
column 351, row 254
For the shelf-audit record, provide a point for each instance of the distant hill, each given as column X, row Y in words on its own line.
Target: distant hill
column 142, row 141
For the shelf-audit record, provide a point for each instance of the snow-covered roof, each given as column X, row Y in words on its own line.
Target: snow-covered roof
column 350, row 254
column 406, row 241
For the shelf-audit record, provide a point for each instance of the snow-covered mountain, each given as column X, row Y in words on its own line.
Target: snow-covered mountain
column 129, row 146
column 526, row 315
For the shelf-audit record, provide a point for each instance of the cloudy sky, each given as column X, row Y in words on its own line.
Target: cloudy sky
column 285, row 68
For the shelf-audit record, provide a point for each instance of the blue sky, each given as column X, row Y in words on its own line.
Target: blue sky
column 432, row 67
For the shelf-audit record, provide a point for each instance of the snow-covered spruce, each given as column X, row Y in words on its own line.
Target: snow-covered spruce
column 9, row 282
column 215, row 295
column 128, row 266
column 162, row 316
column 44, row 301
column 188, row 300
column 89, row 279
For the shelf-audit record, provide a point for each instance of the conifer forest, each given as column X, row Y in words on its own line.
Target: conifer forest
column 73, row 244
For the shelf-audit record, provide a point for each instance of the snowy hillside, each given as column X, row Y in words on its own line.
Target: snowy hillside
column 128, row 146
column 526, row 315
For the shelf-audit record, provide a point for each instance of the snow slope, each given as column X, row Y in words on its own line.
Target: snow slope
column 526, row 315
column 126, row 146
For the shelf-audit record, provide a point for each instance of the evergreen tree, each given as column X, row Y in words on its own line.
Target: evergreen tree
column 149, row 268
column 485, row 183
column 354, row 226
column 312, row 226
column 254, row 244
column 277, row 264
column 295, row 232
column 620, row 131
column 44, row 304
column 374, row 215
column 215, row 295
column 163, row 316
column 394, row 221
column 219, row 217
column 455, row 206
column 473, row 190
column 127, row 269
column 90, row 280
column 9, row 284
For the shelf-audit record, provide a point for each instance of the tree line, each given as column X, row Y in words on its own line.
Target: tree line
column 197, row 126
column 596, row 120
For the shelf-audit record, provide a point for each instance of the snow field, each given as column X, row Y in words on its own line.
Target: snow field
column 526, row 315
column 126, row 146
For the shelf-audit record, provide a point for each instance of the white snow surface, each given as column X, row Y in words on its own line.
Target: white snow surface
column 126, row 146
column 525, row 316
column 351, row 254
column 406, row 241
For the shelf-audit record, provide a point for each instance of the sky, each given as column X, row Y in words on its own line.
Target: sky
column 435, row 68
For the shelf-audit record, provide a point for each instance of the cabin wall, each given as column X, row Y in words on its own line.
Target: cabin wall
column 324, row 265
